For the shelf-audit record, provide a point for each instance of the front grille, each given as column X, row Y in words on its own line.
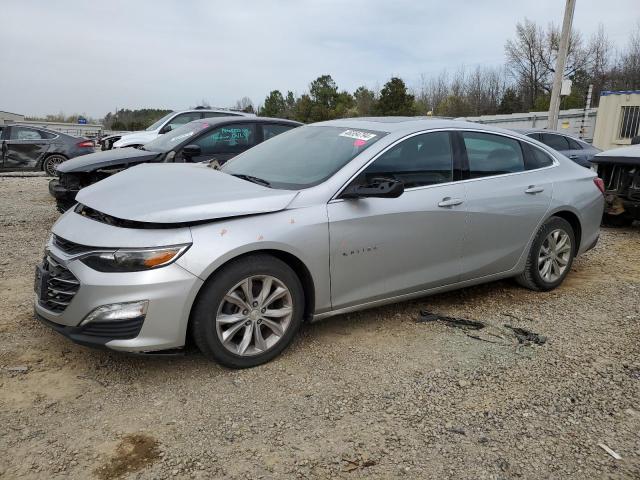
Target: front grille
column 71, row 248
column 59, row 288
column 120, row 330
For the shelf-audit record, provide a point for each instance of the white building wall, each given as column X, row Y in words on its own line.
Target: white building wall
column 611, row 130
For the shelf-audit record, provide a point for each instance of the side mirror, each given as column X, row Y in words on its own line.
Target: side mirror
column 165, row 129
column 380, row 187
column 190, row 151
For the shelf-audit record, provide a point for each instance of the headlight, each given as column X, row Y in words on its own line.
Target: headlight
column 134, row 260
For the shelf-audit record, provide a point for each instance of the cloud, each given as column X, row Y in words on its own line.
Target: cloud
column 91, row 57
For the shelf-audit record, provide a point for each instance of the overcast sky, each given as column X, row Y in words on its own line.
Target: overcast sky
column 79, row 56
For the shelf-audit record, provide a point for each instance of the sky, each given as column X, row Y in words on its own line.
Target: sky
column 89, row 57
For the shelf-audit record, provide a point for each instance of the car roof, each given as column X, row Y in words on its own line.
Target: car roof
column 527, row 131
column 235, row 119
column 217, row 110
column 632, row 151
column 407, row 124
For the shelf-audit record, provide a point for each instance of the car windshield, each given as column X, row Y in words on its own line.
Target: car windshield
column 156, row 125
column 171, row 139
column 302, row 157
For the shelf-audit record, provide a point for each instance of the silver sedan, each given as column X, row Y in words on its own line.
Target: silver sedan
column 324, row 219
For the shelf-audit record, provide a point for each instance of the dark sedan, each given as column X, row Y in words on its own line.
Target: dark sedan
column 32, row 148
column 576, row 149
column 206, row 140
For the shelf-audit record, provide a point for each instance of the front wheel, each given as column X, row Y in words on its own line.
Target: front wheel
column 50, row 164
column 550, row 257
column 249, row 312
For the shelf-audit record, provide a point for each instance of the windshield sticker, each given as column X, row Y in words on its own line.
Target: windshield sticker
column 358, row 135
column 181, row 137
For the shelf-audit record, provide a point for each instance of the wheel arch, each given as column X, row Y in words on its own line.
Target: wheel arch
column 295, row 263
column 47, row 155
column 574, row 221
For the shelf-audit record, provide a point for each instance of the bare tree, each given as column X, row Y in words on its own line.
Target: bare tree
column 245, row 104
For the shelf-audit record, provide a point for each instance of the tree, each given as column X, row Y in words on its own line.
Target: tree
column 323, row 92
column 274, row 105
column 364, row 100
column 245, row 104
column 510, row 102
column 395, row 100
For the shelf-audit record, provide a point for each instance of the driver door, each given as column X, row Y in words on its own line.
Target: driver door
column 385, row 247
column 24, row 148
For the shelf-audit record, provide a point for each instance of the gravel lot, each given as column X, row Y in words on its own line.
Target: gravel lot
column 373, row 394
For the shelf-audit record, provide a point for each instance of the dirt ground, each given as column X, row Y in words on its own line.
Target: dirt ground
column 373, row 394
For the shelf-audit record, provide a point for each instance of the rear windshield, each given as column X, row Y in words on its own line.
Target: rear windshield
column 303, row 157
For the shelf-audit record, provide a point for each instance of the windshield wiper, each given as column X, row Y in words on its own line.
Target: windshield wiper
column 251, row 178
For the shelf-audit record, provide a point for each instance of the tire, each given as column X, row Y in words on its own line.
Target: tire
column 537, row 276
column 617, row 221
column 51, row 163
column 213, row 317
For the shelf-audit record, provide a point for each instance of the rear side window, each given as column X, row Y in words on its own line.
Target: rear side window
column 233, row 138
column 271, row 130
column 425, row 159
column 536, row 157
column 557, row 142
column 490, row 154
column 21, row 133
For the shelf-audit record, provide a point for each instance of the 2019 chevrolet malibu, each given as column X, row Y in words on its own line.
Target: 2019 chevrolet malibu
column 324, row 219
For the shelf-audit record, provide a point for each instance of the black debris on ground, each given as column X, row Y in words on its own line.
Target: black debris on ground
column 451, row 321
column 527, row 337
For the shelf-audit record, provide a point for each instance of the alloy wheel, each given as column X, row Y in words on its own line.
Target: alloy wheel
column 52, row 165
column 254, row 315
column 554, row 255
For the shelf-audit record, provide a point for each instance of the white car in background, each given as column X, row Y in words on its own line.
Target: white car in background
column 170, row 122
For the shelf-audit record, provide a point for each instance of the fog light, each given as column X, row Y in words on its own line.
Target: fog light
column 115, row 312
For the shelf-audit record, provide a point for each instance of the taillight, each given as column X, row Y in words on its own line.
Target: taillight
column 86, row 144
column 599, row 183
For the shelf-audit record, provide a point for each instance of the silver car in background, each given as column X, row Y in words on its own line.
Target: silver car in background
column 324, row 219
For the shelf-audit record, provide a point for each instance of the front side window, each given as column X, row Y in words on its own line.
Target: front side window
column 573, row 144
column 270, row 130
column 425, row 159
column 158, row 123
column 183, row 118
column 304, row 157
column 176, row 137
column 228, row 139
column 21, row 133
column 557, row 142
column 490, row 154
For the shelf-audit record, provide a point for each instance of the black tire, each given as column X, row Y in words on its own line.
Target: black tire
column 617, row 221
column 203, row 314
column 531, row 277
column 51, row 162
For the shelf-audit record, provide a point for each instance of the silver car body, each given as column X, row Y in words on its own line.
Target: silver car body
column 351, row 254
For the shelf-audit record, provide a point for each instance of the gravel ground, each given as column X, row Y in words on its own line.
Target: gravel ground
column 372, row 394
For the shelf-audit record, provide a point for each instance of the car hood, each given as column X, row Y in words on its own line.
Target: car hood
column 107, row 158
column 629, row 155
column 140, row 137
column 180, row 193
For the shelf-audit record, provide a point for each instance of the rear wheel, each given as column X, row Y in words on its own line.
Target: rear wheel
column 550, row 257
column 249, row 312
column 50, row 164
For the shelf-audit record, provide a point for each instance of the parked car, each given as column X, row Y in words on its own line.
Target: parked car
column 576, row 149
column 620, row 170
column 170, row 122
column 212, row 139
column 33, row 148
column 106, row 141
column 325, row 219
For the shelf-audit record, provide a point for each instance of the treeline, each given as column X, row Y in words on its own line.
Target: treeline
column 126, row 119
column 522, row 84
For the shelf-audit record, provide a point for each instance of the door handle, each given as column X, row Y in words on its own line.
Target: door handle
column 533, row 189
column 573, row 157
column 449, row 202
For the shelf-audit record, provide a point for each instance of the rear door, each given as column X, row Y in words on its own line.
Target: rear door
column 225, row 142
column 25, row 147
column 385, row 247
column 507, row 194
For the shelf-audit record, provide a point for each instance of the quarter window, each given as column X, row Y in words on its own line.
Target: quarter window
column 233, row 138
column 425, row 159
column 492, row 154
column 536, row 158
column 271, row 130
column 557, row 142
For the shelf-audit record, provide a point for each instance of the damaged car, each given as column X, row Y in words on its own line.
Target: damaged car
column 325, row 219
column 212, row 139
column 620, row 171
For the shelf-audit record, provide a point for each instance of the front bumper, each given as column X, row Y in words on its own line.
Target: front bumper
column 170, row 292
column 65, row 197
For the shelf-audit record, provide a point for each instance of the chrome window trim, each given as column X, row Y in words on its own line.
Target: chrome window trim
column 556, row 163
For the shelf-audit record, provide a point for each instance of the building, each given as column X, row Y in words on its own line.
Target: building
column 8, row 117
column 618, row 119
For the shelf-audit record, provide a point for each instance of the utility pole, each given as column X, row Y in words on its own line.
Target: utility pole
column 561, row 61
